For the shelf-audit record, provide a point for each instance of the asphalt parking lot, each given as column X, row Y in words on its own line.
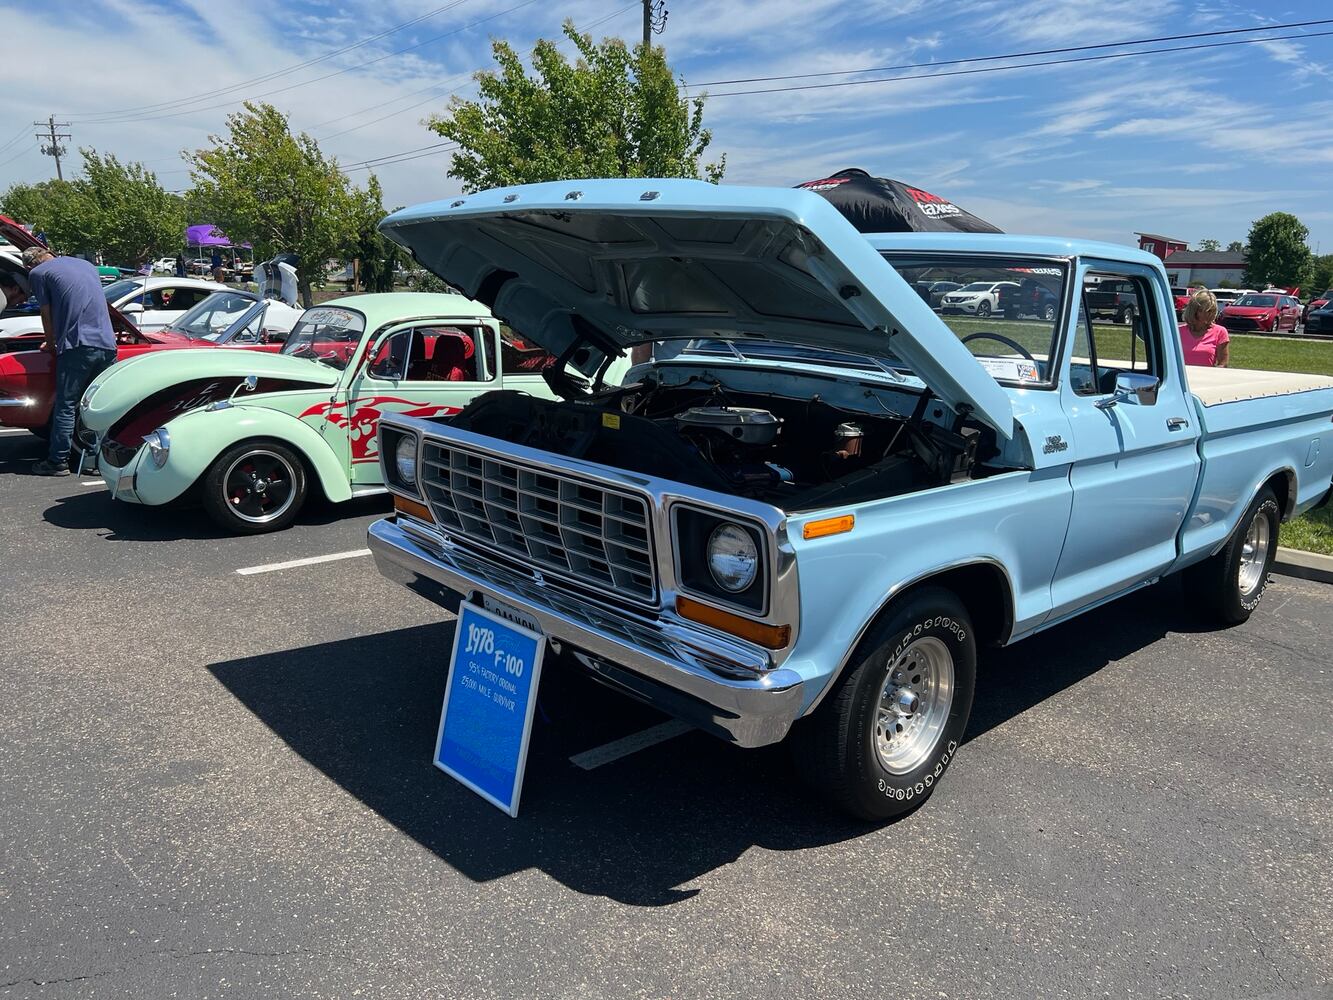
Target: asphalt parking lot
column 219, row 784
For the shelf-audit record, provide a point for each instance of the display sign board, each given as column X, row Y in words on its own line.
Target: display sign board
column 488, row 704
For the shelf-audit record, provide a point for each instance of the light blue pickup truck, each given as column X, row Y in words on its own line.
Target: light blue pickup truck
column 819, row 498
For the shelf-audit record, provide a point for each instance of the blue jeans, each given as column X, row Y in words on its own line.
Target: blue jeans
column 75, row 370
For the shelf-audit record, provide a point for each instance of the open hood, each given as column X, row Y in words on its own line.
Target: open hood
column 608, row 264
column 195, row 378
column 17, row 235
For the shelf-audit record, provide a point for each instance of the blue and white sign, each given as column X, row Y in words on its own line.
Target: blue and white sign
column 488, row 705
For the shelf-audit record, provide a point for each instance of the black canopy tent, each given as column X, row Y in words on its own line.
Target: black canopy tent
column 882, row 205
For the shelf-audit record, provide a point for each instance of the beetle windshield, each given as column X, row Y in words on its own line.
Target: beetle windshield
column 327, row 334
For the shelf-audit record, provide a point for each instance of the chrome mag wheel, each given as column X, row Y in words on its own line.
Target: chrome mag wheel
column 259, row 486
column 914, row 705
column 1254, row 555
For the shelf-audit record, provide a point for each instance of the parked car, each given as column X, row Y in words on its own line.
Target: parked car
column 1320, row 320
column 164, row 265
column 1181, row 297
column 1257, row 311
column 753, row 544
column 258, row 432
column 932, row 292
column 1115, row 299
column 1318, row 302
column 1030, row 297
column 979, row 298
column 149, row 303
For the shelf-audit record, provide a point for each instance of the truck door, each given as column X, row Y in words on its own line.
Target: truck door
column 1136, row 461
column 427, row 368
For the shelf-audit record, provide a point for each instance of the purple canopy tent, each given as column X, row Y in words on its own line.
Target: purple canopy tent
column 207, row 236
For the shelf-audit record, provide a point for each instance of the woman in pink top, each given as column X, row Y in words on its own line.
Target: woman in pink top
column 1205, row 342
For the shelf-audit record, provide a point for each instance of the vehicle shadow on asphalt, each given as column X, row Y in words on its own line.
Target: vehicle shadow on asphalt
column 1014, row 679
column 118, row 521
column 365, row 711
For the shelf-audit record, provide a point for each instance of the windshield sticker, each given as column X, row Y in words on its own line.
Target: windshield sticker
column 1011, row 369
column 339, row 319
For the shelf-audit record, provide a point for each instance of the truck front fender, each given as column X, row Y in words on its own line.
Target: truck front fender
column 199, row 437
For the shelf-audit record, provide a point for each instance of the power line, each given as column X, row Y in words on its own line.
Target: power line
column 21, row 153
column 182, row 101
column 1016, row 55
column 1028, row 65
column 317, row 79
column 432, row 151
column 15, row 138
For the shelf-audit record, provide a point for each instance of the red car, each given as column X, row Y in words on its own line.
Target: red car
column 1318, row 302
column 1266, row 311
column 27, row 377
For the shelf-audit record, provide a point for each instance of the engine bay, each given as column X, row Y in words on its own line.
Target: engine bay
column 798, row 454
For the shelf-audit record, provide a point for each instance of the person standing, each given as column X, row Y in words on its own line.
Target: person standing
column 1205, row 342
column 216, row 263
column 78, row 331
column 180, row 265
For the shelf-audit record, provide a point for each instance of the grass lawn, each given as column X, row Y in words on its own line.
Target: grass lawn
column 1312, row 533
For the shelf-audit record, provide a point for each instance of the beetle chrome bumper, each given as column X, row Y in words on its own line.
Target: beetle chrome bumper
column 720, row 687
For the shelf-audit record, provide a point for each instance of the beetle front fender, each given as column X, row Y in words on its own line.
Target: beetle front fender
column 199, row 437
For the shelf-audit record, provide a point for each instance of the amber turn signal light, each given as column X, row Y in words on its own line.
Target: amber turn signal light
column 828, row 526
column 768, row 636
column 420, row 511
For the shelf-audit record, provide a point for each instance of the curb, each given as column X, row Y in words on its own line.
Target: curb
column 1306, row 565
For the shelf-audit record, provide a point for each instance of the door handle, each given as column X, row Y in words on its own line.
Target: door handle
column 1176, row 423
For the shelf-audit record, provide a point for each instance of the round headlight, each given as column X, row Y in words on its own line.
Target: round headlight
column 733, row 558
column 405, row 460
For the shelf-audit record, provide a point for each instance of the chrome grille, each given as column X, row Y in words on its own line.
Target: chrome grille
column 577, row 529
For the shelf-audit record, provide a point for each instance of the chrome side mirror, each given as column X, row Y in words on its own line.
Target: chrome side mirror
column 1132, row 385
column 249, row 384
column 252, row 381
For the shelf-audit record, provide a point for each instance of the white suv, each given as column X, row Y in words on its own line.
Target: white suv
column 980, row 298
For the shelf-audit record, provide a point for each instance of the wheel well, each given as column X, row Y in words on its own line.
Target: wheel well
column 984, row 590
column 1283, row 485
column 314, row 486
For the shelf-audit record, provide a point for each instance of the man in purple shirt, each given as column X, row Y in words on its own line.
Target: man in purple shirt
column 78, row 331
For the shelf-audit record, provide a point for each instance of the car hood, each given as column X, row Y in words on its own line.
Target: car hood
column 1249, row 310
column 203, row 375
column 608, row 264
column 17, row 235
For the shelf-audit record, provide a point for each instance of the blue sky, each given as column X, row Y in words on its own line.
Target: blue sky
column 1192, row 144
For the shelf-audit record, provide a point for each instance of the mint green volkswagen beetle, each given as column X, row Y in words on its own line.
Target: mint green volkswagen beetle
column 255, row 432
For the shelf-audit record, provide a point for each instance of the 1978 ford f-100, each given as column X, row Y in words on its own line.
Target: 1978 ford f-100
column 820, row 498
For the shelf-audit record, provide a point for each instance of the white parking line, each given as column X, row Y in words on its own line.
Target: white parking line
column 14, row 430
column 633, row 743
column 93, row 482
column 311, row 561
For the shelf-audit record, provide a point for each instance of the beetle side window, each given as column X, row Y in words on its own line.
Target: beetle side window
column 392, row 357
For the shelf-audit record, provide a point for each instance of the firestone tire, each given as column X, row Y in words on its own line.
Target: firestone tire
column 1227, row 587
column 254, row 487
column 882, row 740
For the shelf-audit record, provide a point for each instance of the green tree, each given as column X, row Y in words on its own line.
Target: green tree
column 1320, row 275
column 1210, row 245
column 117, row 209
column 378, row 258
column 611, row 113
column 263, row 185
column 1278, row 252
column 1235, row 246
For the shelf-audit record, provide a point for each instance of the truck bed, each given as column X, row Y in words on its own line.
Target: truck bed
column 1232, row 385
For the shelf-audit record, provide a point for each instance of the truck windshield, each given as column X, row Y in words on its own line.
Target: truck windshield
column 1007, row 311
column 327, row 334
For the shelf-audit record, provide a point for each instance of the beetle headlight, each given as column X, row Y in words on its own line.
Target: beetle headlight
column 733, row 558
column 405, row 460
column 159, row 446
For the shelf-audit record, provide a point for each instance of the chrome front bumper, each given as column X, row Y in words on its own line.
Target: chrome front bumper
column 686, row 672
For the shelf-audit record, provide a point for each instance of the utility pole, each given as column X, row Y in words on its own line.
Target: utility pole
column 654, row 20
column 50, row 140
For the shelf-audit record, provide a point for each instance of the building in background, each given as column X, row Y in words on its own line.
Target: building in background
column 1209, row 268
column 1160, row 246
